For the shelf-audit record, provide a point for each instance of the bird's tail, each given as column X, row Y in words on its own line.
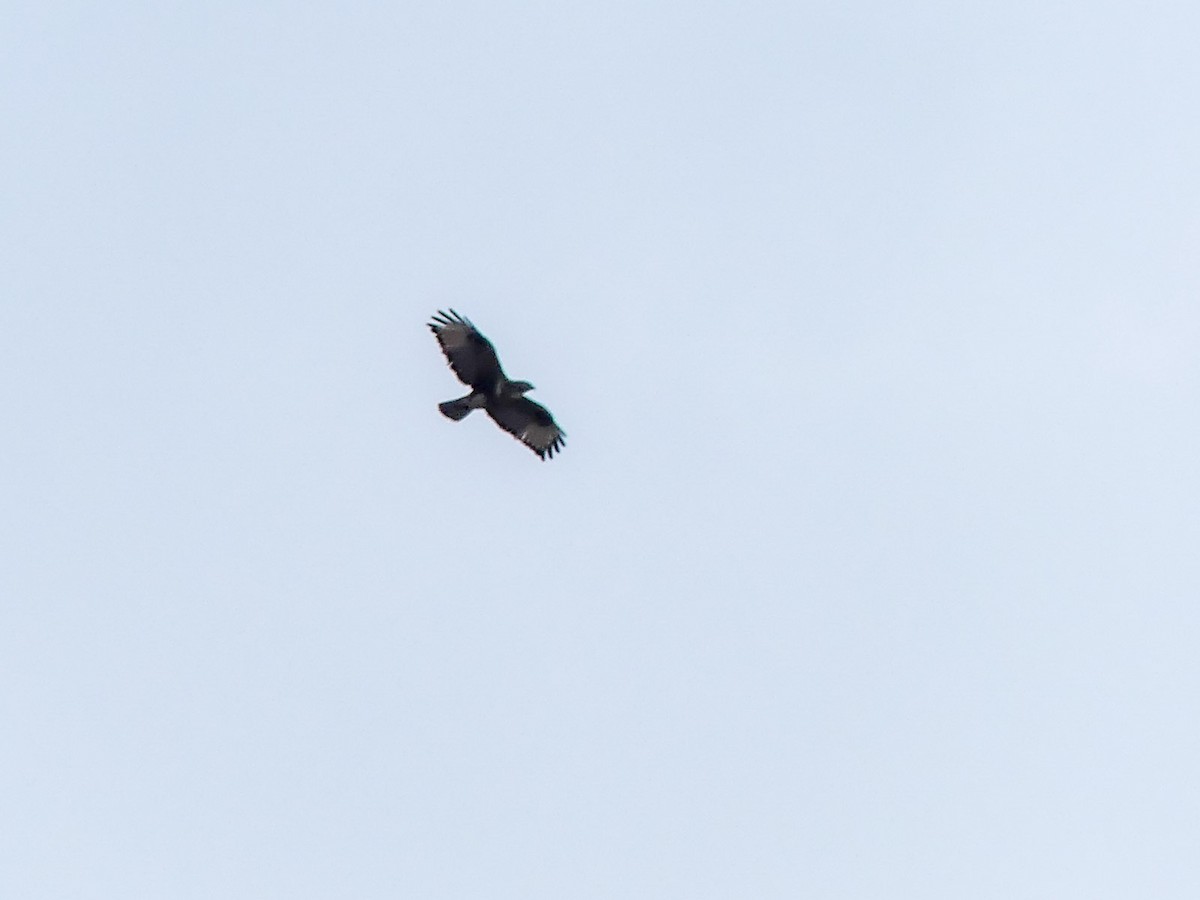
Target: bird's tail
column 457, row 409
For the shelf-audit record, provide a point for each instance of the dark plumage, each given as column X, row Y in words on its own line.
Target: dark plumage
column 474, row 361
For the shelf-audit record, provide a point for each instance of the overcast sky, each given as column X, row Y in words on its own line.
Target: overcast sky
column 870, row 568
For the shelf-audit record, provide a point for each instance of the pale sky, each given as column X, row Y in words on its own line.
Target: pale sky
column 870, row 568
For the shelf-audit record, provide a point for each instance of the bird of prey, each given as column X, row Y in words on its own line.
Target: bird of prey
column 474, row 361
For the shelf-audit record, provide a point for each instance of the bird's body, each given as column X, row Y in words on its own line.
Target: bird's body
column 474, row 361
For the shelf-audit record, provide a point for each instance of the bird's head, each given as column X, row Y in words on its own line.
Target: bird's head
column 520, row 387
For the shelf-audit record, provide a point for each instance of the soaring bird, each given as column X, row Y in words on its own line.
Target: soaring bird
column 474, row 361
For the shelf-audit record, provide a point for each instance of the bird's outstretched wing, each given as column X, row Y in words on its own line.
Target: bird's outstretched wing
column 530, row 423
column 470, row 354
